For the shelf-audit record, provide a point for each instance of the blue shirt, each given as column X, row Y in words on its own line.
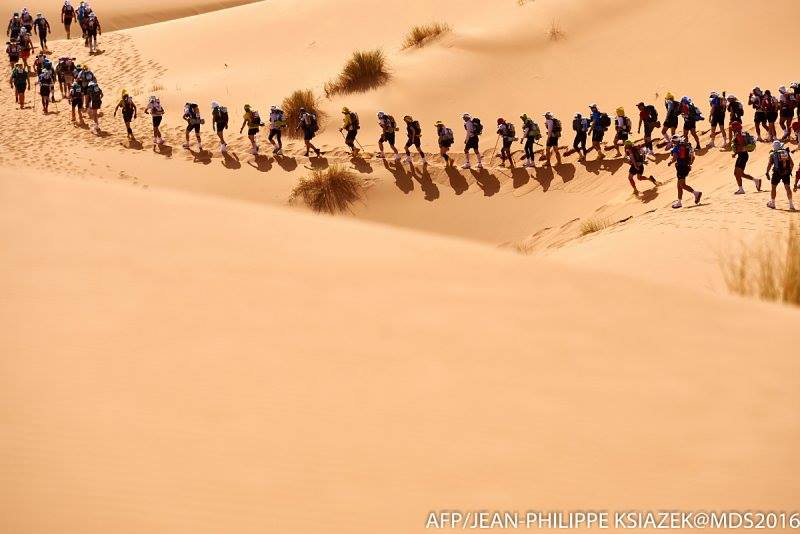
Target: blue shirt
column 596, row 120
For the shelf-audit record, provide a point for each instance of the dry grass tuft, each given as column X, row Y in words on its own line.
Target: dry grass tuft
column 156, row 87
column 555, row 33
column 291, row 110
column 363, row 71
column 768, row 272
column 591, row 226
column 421, row 35
column 332, row 190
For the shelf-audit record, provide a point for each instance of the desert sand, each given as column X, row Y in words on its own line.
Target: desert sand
column 183, row 352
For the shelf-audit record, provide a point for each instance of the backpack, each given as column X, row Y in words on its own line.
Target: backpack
column 46, row 77
column 768, row 104
column 556, row 128
column 69, row 11
column 127, row 103
column 477, row 126
column 220, row 116
column 780, row 159
column 695, row 113
column 255, row 119
column 605, row 120
column 791, row 100
column 652, row 113
column 637, row 157
column 736, row 108
column 391, row 123
column 510, row 130
column 20, row 76
column 354, row 122
column 416, row 128
column 280, row 118
column 533, row 129
column 446, row 136
column 749, row 142
column 684, row 152
column 313, row 124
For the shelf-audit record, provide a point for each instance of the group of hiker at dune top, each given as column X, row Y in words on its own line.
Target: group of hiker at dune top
column 78, row 85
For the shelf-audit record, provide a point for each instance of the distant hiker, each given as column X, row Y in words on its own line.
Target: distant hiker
column 85, row 76
column 12, row 50
column 742, row 144
column 94, row 96
column 253, row 122
column 310, row 125
column 191, row 114
column 20, row 82
column 690, row 115
column 65, row 73
column 80, row 15
column 446, row 139
column 27, row 20
column 683, row 157
column 277, row 123
column 507, row 135
column 67, row 14
column 622, row 127
column 717, row 118
column 474, row 129
column 769, row 104
column 671, row 119
column 553, row 127
column 45, row 82
column 414, row 133
column 530, row 134
column 93, row 29
column 648, row 115
column 787, row 104
column 41, row 27
column 351, row 125
column 637, row 159
column 76, row 100
column 781, row 163
column 388, row 128
column 581, row 126
column 600, row 123
column 25, row 47
column 14, row 27
column 219, row 116
column 735, row 113
column 156, row 111
column 128, row 111
column 759, row 116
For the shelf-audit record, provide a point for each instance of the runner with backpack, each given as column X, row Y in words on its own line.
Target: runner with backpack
column 191, row 114
column 45, row 82
column 76, row 100
column 351, row 125
column 310, row 125
column 787, row 103
column 14, row 27
column 581, row 127
column 742, row 144
column 553, row 127
column 769, row 104
column 94, row 97
column 27, row 20
column 253, row 122
column 414, row 133
column 156, row 111
column 25, row 47
column 219, row 118
column 600, row 123
column 717, row 118
column 388, row 128
column 735, row 113
column 759, row 116
column 446, row 139
column 781, row 164
column 129, row 111
column 80, row 15
column 67, row 14
column 277, row 122
column 691, row 114
column 622, row 127
column 530, row 134
column 65, row 73
column 41, row 27
column 683, row 158
column 474, row 129
column 508, row 135
column 93, row 29
column 20, row 82
column 648, row 115
column 671, row 119
column 637, row 159
column 12, row 50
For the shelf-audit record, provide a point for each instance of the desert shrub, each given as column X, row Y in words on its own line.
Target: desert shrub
column 591, row 226
column 363, row 71
column 331, row 190
column 421, row 35
column 767, row 271
column 555, row 33
column 291, row 109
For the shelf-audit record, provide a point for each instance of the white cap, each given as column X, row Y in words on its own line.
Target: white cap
column 777, row 145
column 214, row 104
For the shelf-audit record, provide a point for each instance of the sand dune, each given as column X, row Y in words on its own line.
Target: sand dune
column 179, row 364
